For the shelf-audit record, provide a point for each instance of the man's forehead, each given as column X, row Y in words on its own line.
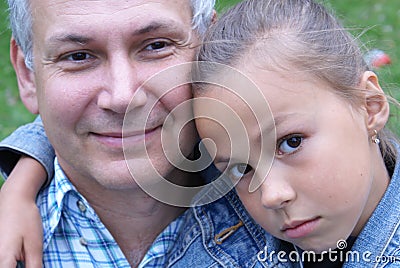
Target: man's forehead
column 89, row 18
column 110, row 7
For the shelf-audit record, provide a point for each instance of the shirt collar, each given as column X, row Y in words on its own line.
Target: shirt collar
column 157, row 255
column 60, row 192
column 52, row 200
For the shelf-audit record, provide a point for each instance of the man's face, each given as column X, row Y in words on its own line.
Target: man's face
column 90, row 58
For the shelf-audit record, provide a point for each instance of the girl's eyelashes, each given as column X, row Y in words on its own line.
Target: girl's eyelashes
column 289, row 144
column 237, row 171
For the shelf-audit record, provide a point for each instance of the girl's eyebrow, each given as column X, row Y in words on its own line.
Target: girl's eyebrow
column 221, row 159
column 278, row 120
column 282, row 118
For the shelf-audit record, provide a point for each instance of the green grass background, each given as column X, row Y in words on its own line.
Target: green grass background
column 381, row 19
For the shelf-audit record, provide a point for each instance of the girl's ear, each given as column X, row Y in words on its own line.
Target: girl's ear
column 25, row 78
column 376, row 103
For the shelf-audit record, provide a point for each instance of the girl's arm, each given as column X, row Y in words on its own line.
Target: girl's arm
column 21, row 228
column 20, row 223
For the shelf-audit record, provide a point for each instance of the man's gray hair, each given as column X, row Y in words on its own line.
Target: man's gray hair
column 20, row 17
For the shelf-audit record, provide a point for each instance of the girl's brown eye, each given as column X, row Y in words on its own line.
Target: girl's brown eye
column 239, row 170
column 294, row 142
column 244, row 168
column 289, row 145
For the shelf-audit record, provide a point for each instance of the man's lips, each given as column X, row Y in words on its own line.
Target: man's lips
column 109, row 134
column 114, row 139
column 300, row 228
column 124, row 133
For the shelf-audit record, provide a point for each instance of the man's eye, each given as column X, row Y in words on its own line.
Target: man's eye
column 239, row 170
column 79, row 56
column 156, row 46
column 289, row 145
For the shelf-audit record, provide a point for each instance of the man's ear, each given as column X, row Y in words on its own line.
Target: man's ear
column 214, row 17
column 376, row 103
column 25, row 78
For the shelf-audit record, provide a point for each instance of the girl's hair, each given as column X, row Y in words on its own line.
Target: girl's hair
column 298, row 33
column 20, row 17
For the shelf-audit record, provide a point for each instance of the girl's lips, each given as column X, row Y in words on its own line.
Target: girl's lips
column 297, row 229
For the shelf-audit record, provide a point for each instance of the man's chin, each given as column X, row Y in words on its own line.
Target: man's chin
column 127, row 184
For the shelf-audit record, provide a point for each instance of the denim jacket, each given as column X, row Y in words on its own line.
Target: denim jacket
column 31, row 140
column 219, row 234
column 378, row 244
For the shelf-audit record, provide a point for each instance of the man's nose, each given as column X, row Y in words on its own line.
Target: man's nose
column 122, row 88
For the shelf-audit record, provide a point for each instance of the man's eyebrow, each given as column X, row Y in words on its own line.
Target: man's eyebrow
column 168, row 26
column 71, row 38
column 154, row 26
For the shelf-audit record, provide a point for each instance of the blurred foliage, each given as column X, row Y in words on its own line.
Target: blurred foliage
column 378, row 25
column 12, row 112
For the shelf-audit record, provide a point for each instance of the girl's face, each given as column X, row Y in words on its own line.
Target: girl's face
column 324, row 181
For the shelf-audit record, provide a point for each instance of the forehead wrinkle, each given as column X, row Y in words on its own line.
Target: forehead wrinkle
column 71, row 7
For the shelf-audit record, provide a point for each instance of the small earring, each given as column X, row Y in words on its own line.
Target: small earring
column 375, row 138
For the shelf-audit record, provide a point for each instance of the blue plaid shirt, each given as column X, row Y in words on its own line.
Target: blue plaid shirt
column 74, row 236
